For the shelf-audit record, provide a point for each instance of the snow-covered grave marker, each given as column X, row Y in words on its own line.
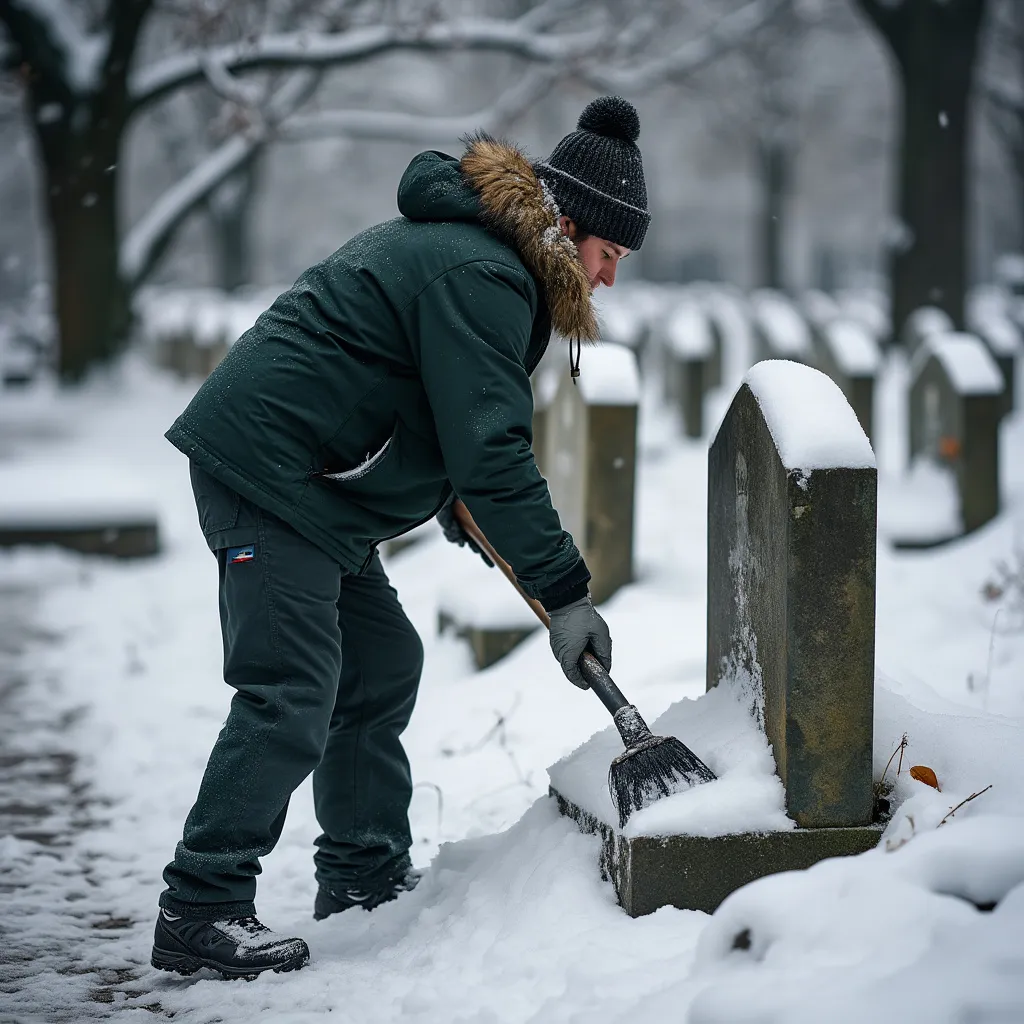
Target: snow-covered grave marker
column 956, row 403
column 189, row 331
column 693, row 354
column 1003, row 338
column 868, row 306
column 117, row 528
column 848, row 352
column 780, row 330
column 545, row 383
column 820, row 309
column 623, row 320
column 591, row 462
column 728, row 315
column 489, row 615
column 922, row 324
column 787, row 719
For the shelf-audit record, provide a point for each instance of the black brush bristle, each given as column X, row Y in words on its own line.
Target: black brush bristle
column 654, row 768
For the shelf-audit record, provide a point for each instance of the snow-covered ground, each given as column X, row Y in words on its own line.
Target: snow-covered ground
column 113, row 672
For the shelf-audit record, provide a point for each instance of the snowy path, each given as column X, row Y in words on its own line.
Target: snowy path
column 122, row 701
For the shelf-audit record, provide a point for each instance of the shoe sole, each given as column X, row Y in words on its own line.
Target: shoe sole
column 186, row 964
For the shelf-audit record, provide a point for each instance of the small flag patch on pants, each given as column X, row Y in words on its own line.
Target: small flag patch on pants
column 246, row 553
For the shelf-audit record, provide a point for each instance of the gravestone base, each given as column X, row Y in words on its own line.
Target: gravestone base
column 129, row 539
column 698, row 872
column 489, row 644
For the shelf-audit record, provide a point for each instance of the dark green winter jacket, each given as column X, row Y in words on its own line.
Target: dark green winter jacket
column 398, row 369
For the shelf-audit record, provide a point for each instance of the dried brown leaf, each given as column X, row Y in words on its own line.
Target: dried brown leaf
column 924, row 774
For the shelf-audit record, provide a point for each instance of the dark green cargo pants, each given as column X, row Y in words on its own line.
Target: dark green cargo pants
column 325, row 666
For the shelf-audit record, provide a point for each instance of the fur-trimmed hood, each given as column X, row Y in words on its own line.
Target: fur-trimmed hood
column 494, row 184
column 516, row 207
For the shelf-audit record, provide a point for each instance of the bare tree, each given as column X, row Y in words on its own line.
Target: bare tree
column 76, row 62
column 935, row 47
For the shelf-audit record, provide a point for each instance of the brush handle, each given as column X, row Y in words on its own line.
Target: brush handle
column 591, row 669
column 601, row 683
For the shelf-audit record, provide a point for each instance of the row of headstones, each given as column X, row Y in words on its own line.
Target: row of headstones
column 585, row 434
column 683, row 335
column 962, row 384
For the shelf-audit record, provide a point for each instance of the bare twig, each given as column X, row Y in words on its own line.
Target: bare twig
column 953, row 810
column 899, row 750
column 496, row 731
column 730, row 31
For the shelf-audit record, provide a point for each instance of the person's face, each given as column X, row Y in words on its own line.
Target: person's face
column 599, row 256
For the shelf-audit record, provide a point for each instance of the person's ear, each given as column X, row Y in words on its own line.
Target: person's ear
column 567, row 226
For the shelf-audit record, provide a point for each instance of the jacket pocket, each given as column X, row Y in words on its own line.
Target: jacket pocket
column 367, row 466
column 364, row 475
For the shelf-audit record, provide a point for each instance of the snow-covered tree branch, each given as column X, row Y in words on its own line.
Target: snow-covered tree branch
column 639, row 76
column 61, row 46
column 1005, row 95
column 335, row 49
column 392, row 125
column 149, row 237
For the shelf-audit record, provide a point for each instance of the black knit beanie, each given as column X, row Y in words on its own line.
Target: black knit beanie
column 596, row 174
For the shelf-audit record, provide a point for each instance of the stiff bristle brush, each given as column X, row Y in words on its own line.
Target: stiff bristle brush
column 651, row 767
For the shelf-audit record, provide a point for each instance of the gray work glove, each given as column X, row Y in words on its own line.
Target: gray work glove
column 574, row 629
column 455, row 533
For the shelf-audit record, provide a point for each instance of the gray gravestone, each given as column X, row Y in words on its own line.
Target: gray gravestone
column 591, row 462
column 791, row 600
column 870, row 308
column 791, row 583
column 819, row 310
column 694, row 360
column 545, row 383
column 1003, row 339
column 922, row 324
column 780, row 330
column 956, row 403
column 729, row 316
column 489, row 643
column 849, row 354
column 111, row 534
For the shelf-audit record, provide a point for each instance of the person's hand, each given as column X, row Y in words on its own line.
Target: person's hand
column 455, row 533
column 574, row 629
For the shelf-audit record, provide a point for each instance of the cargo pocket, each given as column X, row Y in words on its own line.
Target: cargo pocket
column 225, row 517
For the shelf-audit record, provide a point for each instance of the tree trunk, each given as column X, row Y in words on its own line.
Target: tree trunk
column 935, row 46
column 773, row 179
column 91, row 302
column 230, row 221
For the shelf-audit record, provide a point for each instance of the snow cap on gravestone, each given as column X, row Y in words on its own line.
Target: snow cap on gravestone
column 596, row 174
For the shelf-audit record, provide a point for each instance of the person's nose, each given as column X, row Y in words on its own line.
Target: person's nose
column 608, row 273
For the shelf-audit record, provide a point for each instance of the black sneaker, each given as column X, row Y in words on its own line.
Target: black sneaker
column 334, row 901
column 239, row 947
